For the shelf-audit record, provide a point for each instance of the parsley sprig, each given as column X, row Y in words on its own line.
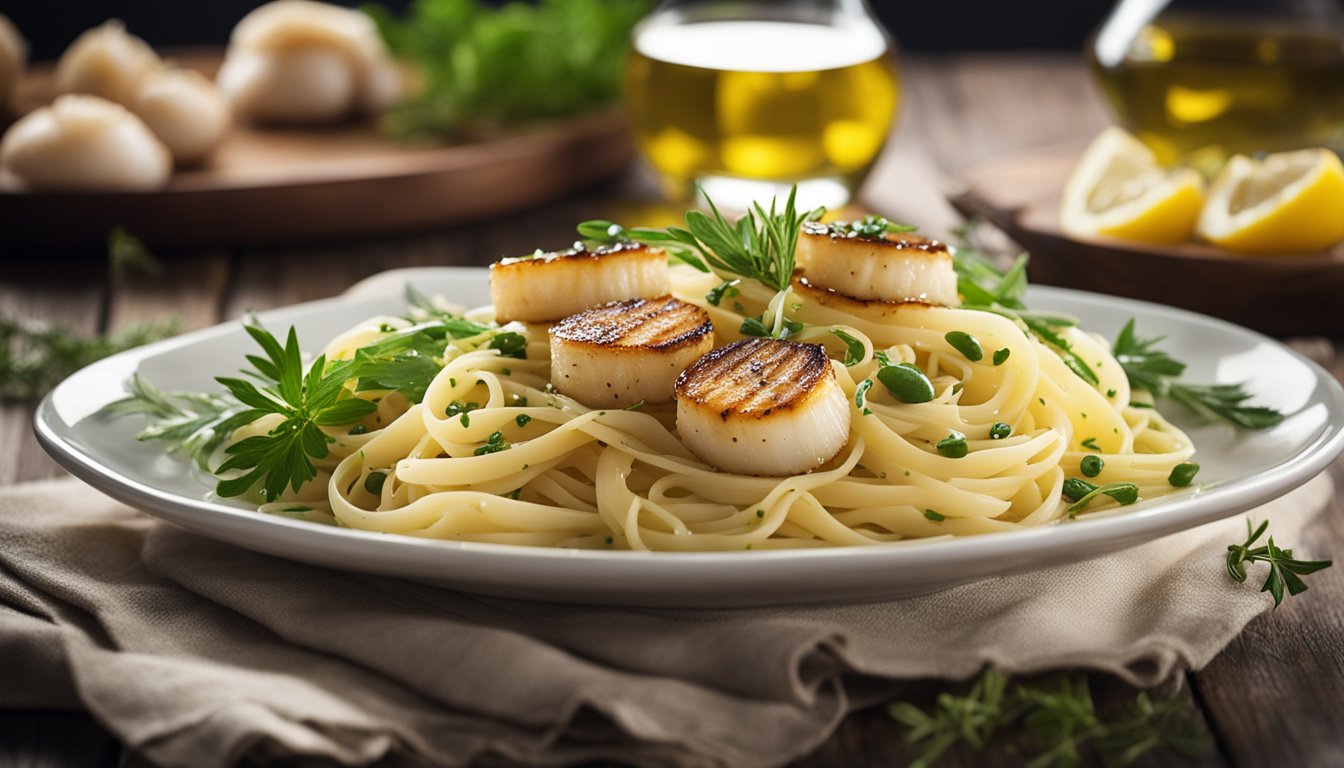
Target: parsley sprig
column 1060, row 716
column 305, row 401
column 1157, row 372
column 1285, row 571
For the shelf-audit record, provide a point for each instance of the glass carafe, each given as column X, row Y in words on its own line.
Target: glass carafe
column 749, row 98
column 1199, row 80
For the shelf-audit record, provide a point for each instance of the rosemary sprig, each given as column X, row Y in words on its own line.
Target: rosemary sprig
column 35, row 356
column 1157, row 372
column 1059, row 715
column 1284, row 570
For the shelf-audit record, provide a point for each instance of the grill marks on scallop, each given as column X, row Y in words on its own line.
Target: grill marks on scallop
column 621, row 353
column 754, row 377
column 656, row 324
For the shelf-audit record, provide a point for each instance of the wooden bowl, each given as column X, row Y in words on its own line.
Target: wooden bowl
column 270, row 186
column 1282, row 295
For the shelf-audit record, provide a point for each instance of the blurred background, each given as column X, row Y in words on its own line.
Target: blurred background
column 50, row 25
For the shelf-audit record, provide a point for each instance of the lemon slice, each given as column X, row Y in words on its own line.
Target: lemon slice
column 1118, row 189
column 1291, row 201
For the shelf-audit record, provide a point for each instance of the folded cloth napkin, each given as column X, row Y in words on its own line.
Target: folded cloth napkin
column 199, row 653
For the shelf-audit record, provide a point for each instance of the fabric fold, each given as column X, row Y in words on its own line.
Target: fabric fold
column 196, row 652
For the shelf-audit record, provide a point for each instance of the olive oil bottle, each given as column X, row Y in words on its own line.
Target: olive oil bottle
column 1198, row 87
column 748, row 107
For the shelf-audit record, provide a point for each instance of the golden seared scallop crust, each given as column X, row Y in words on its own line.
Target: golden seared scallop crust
column 868, row 309
column 754, row 378
column 620, row 353
column 899, row 267
column 658, row 324
column 550, row 286
column 763, row 407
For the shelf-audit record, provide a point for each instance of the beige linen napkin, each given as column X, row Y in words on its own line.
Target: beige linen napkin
column 198, row 653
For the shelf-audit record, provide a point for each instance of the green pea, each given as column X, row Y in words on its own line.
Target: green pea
column 1091, row 465
column 906, row 382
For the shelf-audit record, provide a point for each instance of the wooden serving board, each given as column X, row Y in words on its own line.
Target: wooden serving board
column 1282, row 295
column 269, row 186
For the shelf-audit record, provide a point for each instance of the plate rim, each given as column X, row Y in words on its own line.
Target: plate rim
column 1140, row 525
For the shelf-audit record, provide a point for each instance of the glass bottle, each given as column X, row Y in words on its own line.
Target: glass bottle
column 1200, row 80
column 749, row 98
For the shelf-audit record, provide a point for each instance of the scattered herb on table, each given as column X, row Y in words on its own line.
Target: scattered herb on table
column 35, row 356
column 1285, row 571
column 1060, row 718
column 478, row 67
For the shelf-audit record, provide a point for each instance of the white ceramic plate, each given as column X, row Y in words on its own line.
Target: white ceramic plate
column 1240, row 471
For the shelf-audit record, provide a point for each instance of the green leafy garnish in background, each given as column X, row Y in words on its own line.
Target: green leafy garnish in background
column 480, row 67
column 1060, row 717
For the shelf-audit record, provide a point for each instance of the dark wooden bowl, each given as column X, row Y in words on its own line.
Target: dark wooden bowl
column 1282, row 295
column 283, row 186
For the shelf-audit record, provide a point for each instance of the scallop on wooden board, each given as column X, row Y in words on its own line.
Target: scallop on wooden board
column 279, row 185
column 1279, row 294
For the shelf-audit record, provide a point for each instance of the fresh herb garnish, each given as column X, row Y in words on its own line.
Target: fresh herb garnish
column 906, row 382
column 494, row 444
column 189, row 423
column 953, row 446
column 35, row 356
column 869, row 226
column 1081, row 493
column 1091, row 444
column 1001, row 355
column 936, row 517
column 522, row 419
column 726, row 288
column 479, row 66
column 854, row 349
column 1284, row 570
column 305, row 401
column 373, row 482
column 1059, row 714
column 1183, row 474
column 999, row 430
column 861, row 392
column 1157, row 372
column 966, row 344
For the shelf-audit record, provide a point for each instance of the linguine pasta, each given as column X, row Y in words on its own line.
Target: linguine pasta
column 493, row 454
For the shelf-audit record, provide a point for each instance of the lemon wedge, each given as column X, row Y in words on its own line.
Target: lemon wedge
column 1290, row 201
column 1118, row 189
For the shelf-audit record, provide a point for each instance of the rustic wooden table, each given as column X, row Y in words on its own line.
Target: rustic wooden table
column 1274, row 697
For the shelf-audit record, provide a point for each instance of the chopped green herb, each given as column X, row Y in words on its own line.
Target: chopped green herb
column 358, row 429
column 854, row 349
column 861, row 392
column 635, row 406
column 953, row 446
column 1001, row 355
column 906, row 382
column 760, row 513
column 726, row 288
column 1091, row 444
column 1125, row 493
column 1183, row 474
column 494, row 444
column 934, row 516
column 1110, row 392
column 999, row 430
column 522, row 419
column 510, row 344
column 966, row 344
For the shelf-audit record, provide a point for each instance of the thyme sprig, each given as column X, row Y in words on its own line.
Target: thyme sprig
column 1059, row 715
column 1285, row 571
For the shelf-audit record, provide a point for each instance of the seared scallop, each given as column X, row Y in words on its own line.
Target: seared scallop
column 621, row 353
column 899, row 267
column 548, row 286
column 763, row 407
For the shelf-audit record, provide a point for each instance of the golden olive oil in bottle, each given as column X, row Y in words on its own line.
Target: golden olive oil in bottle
column 745, row 107
column 1198, row 88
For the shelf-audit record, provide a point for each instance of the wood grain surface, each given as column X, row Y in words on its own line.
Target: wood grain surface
column 1272, row 698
